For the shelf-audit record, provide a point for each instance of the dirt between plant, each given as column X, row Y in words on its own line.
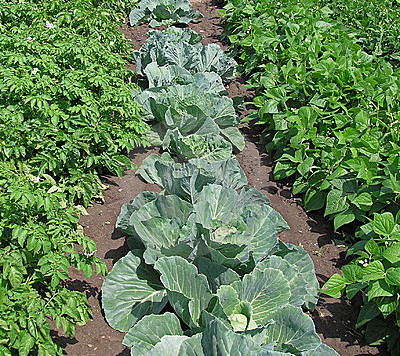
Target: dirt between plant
column 334, row 319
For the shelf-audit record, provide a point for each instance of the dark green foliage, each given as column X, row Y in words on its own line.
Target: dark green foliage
column 377, row 24
column 66, row 115
column 374, row 272
column 328, row 99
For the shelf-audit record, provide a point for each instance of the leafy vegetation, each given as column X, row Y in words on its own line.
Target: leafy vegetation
column 206, row 247
column 66, row 115
column 331, row 109
column 375, row 272
column 212, row 255
column 377, row 24
column 163, row 12
column 181, row 47
column 168, row 75
column 184, row 99
column 188, row 118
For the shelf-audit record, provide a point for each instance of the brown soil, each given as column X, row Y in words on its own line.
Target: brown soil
column 334, row 319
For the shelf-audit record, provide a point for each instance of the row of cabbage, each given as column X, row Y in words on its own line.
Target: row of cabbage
column 206, row 274
column 331, row 110
column 66, row 116
column 185, row 96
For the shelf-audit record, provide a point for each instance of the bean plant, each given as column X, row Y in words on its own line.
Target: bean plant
column 327, row 91
column 377, row 24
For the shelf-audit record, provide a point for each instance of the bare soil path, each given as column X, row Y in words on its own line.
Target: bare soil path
column 334, row 320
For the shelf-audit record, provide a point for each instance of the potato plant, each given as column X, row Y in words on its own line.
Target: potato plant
column 66, row 115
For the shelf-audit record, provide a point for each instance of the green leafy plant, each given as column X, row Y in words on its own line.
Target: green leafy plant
column 375, row 273
column 191, row 122
column 171, row 74
column 377, row 23
column 181, row 47
column 330, row 106
column 163, row 12
column 211, row 254
column 330, row 109
column 66, row 116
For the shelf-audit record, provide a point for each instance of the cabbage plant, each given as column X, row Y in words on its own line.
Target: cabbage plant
column 188, row 179
column 163, row 12
column 182, row 47
column 206, row 248
column 185, row 99
column 191, row 122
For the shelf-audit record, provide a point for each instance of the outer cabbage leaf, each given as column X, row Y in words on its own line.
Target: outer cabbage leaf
column 213, row 59
column 159, row 223
column 218, row 339
column 209, row 147
column 148, row 332
column 296, row 280
column 152, row 173
column 131, row 290
column 263, row 225
column 192, row 346
column 233, row 135
column 227, row 173
column 143, row 98
column 292, row 330
column 250, row 195
column 298, row 257
column 169, row 346
column 128, row 209
column 167, row 75
column 169, row 207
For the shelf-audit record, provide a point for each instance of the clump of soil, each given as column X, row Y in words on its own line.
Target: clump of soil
column 334, row 319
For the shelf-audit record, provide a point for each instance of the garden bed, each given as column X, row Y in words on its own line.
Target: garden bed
column 335, row 320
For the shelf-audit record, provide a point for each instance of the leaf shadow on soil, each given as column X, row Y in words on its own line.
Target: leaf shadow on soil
column 337, row 329
column 61, row 340
column 117, row 253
